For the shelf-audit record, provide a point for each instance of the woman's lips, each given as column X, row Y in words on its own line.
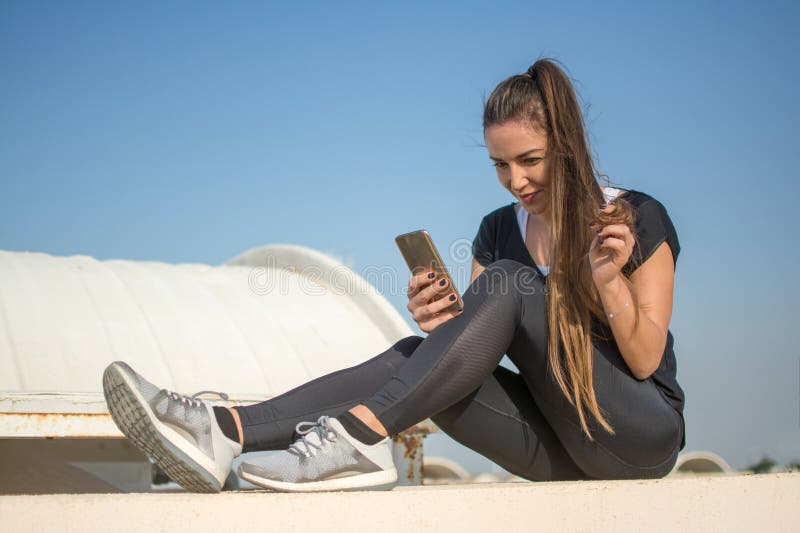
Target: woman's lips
column 528, row 198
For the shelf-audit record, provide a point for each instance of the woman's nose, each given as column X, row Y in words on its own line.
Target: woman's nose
column 518, row 177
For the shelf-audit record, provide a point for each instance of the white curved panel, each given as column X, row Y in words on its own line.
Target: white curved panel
column 188, row 326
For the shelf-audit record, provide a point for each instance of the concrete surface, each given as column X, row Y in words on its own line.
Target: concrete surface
column 768, row 502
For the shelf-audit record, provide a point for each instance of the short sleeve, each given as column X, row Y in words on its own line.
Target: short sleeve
column 483, row 245
column 653, row 226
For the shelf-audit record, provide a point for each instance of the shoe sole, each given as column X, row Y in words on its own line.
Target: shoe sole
column 182, row 461
column 382, row 480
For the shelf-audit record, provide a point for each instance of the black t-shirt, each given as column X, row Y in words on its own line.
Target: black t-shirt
column 499, row 237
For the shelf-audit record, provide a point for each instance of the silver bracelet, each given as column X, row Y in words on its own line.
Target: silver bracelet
column 612, row 315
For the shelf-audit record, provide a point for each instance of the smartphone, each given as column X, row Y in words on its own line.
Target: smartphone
column 420, row 254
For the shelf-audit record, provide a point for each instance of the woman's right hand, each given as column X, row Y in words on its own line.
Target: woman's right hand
column 428, row 314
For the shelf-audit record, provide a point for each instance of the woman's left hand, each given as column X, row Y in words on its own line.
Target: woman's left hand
column 610, row 250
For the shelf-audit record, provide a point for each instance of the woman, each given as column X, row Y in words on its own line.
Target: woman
column 574, row 282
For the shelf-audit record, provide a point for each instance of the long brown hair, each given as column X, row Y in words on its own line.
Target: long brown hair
column 544, row 97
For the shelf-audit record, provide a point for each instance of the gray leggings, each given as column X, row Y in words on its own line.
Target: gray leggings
column 521, row 421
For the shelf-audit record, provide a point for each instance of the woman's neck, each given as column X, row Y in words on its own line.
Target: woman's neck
column 541, row 220
column 538, row 220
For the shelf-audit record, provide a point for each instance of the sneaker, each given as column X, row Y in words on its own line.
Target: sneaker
column 180, row 433
column 325, row 457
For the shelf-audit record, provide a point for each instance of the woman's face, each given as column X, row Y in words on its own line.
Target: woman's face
column 519, row 154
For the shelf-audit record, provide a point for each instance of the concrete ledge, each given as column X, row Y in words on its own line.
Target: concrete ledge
column 767, row 502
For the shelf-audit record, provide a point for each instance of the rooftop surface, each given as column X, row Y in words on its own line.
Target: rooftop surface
column 766, row 502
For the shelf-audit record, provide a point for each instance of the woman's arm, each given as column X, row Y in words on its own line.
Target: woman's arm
column 642, row 347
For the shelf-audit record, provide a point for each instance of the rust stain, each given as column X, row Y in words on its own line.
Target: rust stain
column 412, row 439
column 412, row 443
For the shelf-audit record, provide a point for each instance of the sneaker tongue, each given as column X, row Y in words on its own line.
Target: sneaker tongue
column 313, row 438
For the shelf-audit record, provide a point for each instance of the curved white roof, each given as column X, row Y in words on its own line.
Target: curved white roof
column 701, row 462
column 267, row 321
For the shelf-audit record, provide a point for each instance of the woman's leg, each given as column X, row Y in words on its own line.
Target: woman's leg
column 456, row 357
column 648, row 430
column 505, row 311
column 501, row 421
column 269, row 425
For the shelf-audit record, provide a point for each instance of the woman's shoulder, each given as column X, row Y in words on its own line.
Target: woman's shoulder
column 500, row 213
column 647, row 207
column 489, row 243
column 502, row 210
column 636, row 198
column 648, row 210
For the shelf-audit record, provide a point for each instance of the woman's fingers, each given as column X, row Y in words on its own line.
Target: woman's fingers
column 424, row 306
column 615, row 244
column 419, row 281
column 437, row 321
column 425, row 295
column 427, row 312
column 612, row 235
column 611, row 247
column 442, row 303
column 424, row 312
column 620, row 231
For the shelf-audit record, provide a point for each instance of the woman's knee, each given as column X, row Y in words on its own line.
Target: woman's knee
column 509, row 277
column 510, row 267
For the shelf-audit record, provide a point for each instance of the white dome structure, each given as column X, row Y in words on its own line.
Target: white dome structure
column 701, row 462
column 270, row 319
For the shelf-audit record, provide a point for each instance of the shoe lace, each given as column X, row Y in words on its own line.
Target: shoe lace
column 320, row 427
column 193, row 401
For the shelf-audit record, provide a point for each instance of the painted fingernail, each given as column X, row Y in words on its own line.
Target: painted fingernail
column 452, row 297
column 443, row 282
column 431, row 275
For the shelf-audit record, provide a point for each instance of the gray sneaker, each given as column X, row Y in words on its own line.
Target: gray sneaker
column 180, row 433
column 325, row 457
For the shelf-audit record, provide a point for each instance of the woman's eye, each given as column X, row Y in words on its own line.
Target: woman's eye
column 532, row 160
column 500, row 164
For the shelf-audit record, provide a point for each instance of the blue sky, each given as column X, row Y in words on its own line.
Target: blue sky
column 192, row 131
